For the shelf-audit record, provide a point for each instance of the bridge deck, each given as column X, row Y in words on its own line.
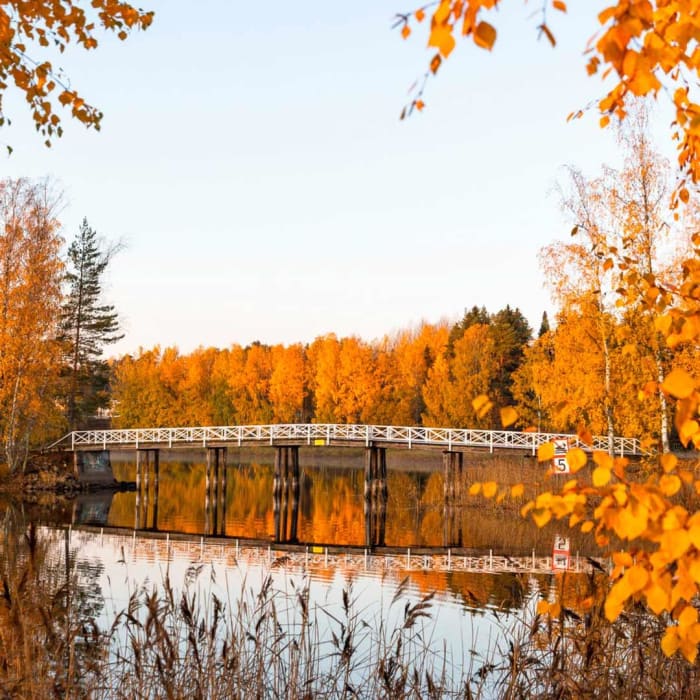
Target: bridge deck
column 331, row 434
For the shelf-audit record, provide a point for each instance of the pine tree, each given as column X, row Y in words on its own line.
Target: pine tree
column 544, row 326
column 511, row 333
column 471, row 317
column 86, row 327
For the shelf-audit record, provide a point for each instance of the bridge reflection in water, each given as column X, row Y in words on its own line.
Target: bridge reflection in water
column 285, row 492
column 91, row 512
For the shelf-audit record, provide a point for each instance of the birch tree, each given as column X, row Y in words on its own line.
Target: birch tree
column 30, row 295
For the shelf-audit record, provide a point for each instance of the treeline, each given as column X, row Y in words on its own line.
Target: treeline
column 428, row 375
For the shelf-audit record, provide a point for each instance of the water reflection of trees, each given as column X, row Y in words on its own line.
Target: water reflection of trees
column 331, row 510
column 48, row 637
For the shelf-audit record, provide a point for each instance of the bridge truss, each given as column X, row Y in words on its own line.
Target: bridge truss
column 334, row 434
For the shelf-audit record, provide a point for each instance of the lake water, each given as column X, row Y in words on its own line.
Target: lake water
column 485, row 566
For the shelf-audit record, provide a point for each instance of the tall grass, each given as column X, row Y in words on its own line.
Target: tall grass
column 273, row 639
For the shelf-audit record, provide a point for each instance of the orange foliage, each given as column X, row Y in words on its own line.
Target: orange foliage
column 30, row 25
column 645, row 47
column 30, row 276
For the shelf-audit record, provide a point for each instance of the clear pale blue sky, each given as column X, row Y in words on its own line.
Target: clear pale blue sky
column 252, row 159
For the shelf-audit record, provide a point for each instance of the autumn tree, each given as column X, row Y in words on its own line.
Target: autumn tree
column 28, row 29
column 582, row 281
column 288, row 383
column 454, row 381
column 646, row 48
column 87, row 326
column 511, row 333
column 413, row 353
column 30, row 296
column 559, row 386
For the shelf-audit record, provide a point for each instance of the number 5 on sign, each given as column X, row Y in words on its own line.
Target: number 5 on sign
column 560, row 465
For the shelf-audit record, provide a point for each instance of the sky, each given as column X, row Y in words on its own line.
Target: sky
column 253, row 164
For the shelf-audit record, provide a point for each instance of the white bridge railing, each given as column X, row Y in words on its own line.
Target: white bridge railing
column 328, row 434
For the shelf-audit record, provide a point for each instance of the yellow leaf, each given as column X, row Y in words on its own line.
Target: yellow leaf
column 669, row 484
column 623, row 559
column 542, row 607
column 576, row 459
column 668, row 462
column 508, row 416
column 481, row 405
column 694, row 534
column 657, row 598
column 441, row 38
column 601, row 476
column 541, row 516
column 517, row 490
column 688, row 617
column 603, row 459
column 405, row 31
column 587, row 526
column 679, row 383
column 475, row 489
column 484, row 35
column 687, row 431
column 545, row 451
column 613, row 607
column 559, row 5
column 633, row 521
column 689, row 650
column 420, row 15
column 489, row 489
column 675, row 543
column 638, row 577
column 670, row 642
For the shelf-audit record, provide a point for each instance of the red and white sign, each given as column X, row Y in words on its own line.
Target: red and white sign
column 561, row 553
column 559, row 463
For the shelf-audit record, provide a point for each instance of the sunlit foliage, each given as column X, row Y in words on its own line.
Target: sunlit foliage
column 639, row 48
column 30, row 278
column 29, row 30
column 645, row 48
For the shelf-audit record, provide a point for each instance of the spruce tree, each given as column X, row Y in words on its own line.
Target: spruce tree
column 544, row 326
column 87, row 325
column 511, row 333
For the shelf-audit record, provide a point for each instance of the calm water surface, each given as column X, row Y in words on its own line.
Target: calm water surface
column 230, row 546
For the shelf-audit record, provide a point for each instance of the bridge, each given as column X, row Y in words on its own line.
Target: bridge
column 92, row 463
column 316, row 434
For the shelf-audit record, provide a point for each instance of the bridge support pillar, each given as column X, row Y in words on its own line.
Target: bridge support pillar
column 285, row 493
column 147, row 461
column 376, row 494
column 215, row 492
column 452, row 465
